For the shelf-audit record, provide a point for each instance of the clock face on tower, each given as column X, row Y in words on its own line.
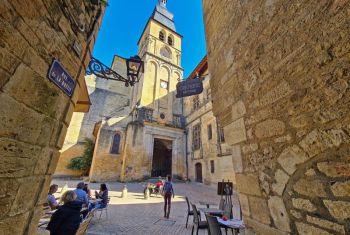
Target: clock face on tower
column 164, row 84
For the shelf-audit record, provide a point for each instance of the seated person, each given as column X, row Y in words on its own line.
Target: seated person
column 81, row 194
column 51, row 200
column 102, row 194
column 159, row 184
column 66, row 220
column 87, row 190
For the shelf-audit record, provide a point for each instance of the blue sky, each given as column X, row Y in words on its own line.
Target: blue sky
column 125, row 20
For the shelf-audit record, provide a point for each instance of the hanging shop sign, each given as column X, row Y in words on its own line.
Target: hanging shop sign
column 189, row 87
column 61, row 78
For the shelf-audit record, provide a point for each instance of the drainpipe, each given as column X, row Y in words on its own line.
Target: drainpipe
column 186, row 152
column 218, row 136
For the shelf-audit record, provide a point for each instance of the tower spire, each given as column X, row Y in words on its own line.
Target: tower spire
column 162, row 3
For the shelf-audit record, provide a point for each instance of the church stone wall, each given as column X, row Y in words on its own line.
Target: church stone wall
column 34, row 113
column 280, row 84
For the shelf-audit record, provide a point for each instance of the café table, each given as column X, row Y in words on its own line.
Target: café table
column 211, row 210
column 95, row 200
column 208, row 204
column 234, row 224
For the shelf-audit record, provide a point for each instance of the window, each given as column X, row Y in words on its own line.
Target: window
column 210, row 133
column 196, row 137
column 115, row 144
column 212, row 167
column 195, row 102
column 221, row 135
column 161, row 36
column 148, row 115
column 170, row 41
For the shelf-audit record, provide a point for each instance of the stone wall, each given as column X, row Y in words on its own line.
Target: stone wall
column 280, row 85
column 34, row 113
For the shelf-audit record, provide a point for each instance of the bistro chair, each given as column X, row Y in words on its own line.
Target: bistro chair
column 103, row 209
column 214, row 226
column 189, row 211
column 85, row 224
column 197, row 223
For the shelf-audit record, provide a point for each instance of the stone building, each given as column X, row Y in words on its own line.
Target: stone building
column 280, row 89
column 139, row 131
column 35, row 113
column 210, row 159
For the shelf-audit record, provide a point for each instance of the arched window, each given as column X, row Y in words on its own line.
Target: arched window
column 161, row 36
column 170, row 41
column 115, row 144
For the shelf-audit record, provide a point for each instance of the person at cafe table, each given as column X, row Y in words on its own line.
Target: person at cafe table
column 51, row 200
column 81, row 194
column 102, row 194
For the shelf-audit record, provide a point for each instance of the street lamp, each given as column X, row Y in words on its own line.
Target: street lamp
column 134, row 67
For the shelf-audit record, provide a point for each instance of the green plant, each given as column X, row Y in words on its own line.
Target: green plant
column 83, row 163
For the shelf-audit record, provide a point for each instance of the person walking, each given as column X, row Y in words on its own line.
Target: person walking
column 168, row 191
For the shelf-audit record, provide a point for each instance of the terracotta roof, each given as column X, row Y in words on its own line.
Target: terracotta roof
column 200, row 69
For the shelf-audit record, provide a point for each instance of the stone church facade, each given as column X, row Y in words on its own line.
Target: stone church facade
column 138, row 131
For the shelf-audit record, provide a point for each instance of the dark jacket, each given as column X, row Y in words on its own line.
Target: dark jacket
column 66, row 220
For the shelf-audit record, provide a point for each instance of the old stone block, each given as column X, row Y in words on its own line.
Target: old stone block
column 62, row 136
column 43, row 161
column 269, row 128
column 248, row 184
column 8, row 61
column 5, row 206
column 334, row 169
column 341, row 189
column 303, row 204
column 281, row 182
column 326, row 224
column 296, row 214
column 338, row 209
column 291, row 157
column 283, row 139
column 259, row 210
column 4, row 77
column 17, row 159
column 35, row 62
column 237, row 159
column 262, row 229
column 319, row 140
column 37, row 92
column 14, row 224
column 18, row 121
column 244, row 202
column 279, row 213
column 238, row 110
column 235, row 132
column 310, row 230
column 28, row 189
column 44, row 185
column 276, row 93
column 250, row 148
column 303, row 187
column 310, row 172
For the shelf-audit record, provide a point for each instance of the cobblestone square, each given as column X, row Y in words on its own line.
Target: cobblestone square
column 134, row 215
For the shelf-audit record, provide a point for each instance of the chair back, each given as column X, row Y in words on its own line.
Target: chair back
column 196, row 217
column 213, row 224
column 222, row 204
column 188, row 204
column 108, row 200
column 228, row 210
column 84, row 225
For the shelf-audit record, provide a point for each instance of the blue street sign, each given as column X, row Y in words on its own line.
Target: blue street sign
column 62, row 79
column 189, row 87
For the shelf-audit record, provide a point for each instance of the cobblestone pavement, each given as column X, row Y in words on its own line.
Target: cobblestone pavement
column 134, row 215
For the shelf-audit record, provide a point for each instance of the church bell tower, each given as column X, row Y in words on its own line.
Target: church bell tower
column 160, row 49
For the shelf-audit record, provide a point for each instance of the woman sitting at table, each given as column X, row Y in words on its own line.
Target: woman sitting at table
column 103, row 195
column 66, row 220
column 51, row 200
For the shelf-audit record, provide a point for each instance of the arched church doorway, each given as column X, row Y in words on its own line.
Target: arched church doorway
column 199, row 176
column 162, row 158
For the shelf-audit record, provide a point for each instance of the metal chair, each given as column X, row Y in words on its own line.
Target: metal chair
column 103, row 209
column 189, row 211
column 214, row 227
column 197, row 221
